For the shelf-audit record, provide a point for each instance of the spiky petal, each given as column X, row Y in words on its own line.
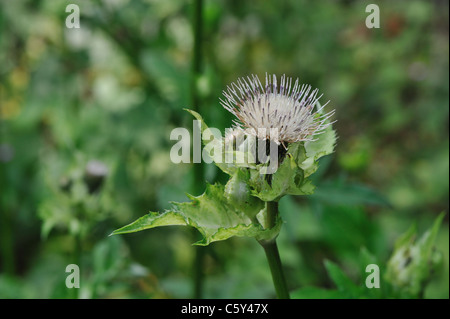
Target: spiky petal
column 291, row 109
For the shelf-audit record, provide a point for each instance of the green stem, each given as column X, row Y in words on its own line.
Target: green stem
column 272, row 254
column 273, row 257
column 199, row 173
column 196, row 73
column 197, row 50
column 271, row 214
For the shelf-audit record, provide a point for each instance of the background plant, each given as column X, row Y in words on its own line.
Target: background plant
column 115, row 92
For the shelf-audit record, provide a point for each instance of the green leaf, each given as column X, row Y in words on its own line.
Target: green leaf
column 152, row 220
column 365, row 259
column 291, row 176
column 344, row 284
column 299, row 163
column 428, row 239
column 238, row 193
column 218, row 159
column 211, row 214
column 288, row 179
column 324, row 145
column 406, row 238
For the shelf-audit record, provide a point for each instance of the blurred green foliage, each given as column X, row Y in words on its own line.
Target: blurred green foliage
column 111, row 92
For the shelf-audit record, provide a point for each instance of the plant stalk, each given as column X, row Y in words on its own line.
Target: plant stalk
column 272, row 254
column 199, row 174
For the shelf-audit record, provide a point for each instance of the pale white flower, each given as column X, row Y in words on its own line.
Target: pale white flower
column 292, row 110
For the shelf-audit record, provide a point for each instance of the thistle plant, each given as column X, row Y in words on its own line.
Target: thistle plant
column 280, row 132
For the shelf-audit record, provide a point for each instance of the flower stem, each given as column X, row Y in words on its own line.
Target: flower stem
column 272, row 254
column 272, row 214
column 196, row 71
column 197, row 17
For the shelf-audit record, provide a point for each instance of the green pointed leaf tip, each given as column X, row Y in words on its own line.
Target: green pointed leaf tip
column 291, row 176
column 344, row 284
column 211, row 214
column 218, row 159
column 413, row 262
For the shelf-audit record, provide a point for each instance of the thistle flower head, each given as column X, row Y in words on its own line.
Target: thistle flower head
column 291, row 109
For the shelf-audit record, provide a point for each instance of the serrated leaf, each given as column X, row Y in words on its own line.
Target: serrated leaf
column 211, row 214
column 324, row 145
column 287, row 180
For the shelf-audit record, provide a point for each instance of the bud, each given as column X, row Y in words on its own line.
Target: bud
column 414, row 262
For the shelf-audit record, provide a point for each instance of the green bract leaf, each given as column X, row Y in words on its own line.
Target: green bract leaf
column 212, row 214
column 290, row 178
column 413, row 262
column 237, row 191
column 217, row 158
column 324, row 145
